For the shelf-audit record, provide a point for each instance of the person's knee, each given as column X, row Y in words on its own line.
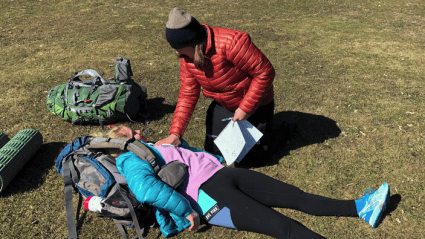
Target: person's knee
column 257, row 157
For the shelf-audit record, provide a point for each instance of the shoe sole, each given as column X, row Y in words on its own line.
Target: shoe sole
column 387, row 201
column 382, row 205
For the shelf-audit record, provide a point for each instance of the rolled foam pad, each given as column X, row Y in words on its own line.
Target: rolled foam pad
column 3, row 139
column 16, row 153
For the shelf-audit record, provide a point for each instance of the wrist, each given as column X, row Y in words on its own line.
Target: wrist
column 178, row 136
column 187, row 214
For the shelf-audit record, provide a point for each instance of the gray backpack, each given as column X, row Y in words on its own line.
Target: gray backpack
column 89, row 170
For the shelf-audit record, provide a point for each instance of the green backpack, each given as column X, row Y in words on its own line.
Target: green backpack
column 98, row 100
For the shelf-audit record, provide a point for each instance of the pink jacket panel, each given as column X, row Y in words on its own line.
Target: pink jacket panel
column 201, row 167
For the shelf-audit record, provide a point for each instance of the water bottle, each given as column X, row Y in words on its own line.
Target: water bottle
column 93, row 203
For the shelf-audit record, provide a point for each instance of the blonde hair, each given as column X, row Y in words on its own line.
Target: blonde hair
column 111, row 133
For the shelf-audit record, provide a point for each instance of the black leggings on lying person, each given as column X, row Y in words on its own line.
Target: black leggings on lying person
column 247, row 197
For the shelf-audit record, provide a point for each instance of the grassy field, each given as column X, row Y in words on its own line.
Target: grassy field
column 349, row 73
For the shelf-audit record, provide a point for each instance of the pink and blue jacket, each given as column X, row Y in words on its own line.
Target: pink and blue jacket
column 171, row 207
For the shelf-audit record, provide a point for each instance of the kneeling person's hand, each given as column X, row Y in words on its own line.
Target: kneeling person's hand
column 172, row 139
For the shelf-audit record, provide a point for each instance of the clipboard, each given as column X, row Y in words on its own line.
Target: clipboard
column 236, row 140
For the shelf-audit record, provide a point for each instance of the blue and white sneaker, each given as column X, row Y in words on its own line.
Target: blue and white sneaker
column 371, row 205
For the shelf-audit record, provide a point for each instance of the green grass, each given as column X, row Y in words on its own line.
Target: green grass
column 351, row 73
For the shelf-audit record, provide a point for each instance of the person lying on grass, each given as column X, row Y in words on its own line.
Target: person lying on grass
column 234, row 198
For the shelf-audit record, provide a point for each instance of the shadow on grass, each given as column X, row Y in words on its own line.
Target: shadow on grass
column 80, row 221
column 392, row 205
column 157, row 109
column 293, row 130
column 32, row 174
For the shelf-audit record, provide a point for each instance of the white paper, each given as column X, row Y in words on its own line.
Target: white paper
column 236, row 139
column 230, row 141
column 251, row 135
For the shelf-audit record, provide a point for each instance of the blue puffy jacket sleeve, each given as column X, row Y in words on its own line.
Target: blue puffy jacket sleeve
column 142, row 181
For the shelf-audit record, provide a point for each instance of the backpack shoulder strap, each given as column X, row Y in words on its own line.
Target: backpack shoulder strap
column 72, row 230
column 125, row 144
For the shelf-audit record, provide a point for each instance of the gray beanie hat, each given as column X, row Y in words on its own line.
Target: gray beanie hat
column 183, row 30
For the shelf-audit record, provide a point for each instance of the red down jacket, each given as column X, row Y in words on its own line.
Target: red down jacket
column 242, row 76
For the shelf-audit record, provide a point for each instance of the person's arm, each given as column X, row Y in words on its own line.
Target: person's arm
column 189, row 93
column 194, row 220
column 248, row 58
column 240, row 115
column 142, row 181
column 171, row 139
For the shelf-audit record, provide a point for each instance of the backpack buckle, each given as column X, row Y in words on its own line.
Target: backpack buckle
column 126, row 142
column 152, row 161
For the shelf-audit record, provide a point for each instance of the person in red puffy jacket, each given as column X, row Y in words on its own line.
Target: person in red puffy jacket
column 230, row 69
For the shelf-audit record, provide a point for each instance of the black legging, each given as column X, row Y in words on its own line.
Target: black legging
column 249, row 196
column 262, row 119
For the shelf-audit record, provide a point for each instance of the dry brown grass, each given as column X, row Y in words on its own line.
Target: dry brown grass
column 349, row 73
